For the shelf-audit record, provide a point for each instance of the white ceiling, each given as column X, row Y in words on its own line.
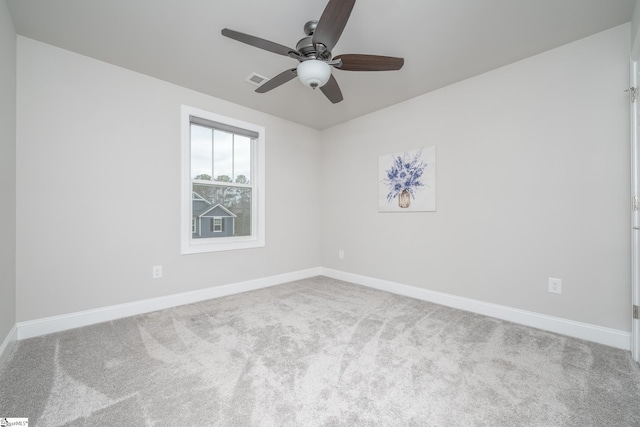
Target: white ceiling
column 442, row 41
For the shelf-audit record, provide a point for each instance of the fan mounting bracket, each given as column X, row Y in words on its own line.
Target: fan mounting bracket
column 310, row 27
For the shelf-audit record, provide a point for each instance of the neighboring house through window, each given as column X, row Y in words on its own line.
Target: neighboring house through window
column 209, row 220
column 223, row 183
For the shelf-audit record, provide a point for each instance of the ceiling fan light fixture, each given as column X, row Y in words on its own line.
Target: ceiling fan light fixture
column 314, row 53
column 314, row 73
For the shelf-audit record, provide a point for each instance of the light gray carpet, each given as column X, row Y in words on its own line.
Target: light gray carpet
column 317, row 352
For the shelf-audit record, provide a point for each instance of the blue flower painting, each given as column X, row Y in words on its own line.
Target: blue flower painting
column 407, row 181
column 404, row 175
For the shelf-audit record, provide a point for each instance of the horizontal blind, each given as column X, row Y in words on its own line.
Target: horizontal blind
column 223, row 127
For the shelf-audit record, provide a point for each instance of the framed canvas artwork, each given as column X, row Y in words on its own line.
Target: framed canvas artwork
column 407, row 181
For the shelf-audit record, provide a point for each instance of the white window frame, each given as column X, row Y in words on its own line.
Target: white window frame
column 189, row 245
column 217, row 224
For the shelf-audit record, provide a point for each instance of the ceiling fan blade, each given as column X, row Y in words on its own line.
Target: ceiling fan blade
column 332, row 91
column 278, row 80
column 357, row 62
column 259, row 43
column 332, row 22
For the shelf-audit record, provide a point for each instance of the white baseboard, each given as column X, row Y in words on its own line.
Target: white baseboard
column 594, row 333
column 48, row 325
column 585, row 331
column 7, row 344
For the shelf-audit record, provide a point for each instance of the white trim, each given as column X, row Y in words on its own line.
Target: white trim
column 214, row 183
column 48, row 325
column 7, row 345
column 199, row 198
column 585, row 331
column 231, row 214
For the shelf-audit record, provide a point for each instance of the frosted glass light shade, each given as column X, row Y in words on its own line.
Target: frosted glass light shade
column 314, row 73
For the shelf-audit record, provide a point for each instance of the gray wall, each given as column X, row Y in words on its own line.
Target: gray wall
column 635, row 31
column 107, row 142
column 532, row 182
column 7, row 172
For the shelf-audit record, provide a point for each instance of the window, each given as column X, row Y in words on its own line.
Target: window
column 222, row 183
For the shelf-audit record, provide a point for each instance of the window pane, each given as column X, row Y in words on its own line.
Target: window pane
column 230, row 205
column 201, row 152
column 242, row 159
column 242, row 209
column 222, row 156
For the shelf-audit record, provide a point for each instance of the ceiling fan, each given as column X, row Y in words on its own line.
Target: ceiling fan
column 314, row 53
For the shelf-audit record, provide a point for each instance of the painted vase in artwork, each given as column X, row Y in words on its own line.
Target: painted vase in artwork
column 404, row 199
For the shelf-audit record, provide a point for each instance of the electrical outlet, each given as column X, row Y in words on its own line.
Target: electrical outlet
column 555, row 285
column 157, row 271
column 341, row 254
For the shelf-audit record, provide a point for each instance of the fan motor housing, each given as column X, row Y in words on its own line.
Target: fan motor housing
column 305, row 47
